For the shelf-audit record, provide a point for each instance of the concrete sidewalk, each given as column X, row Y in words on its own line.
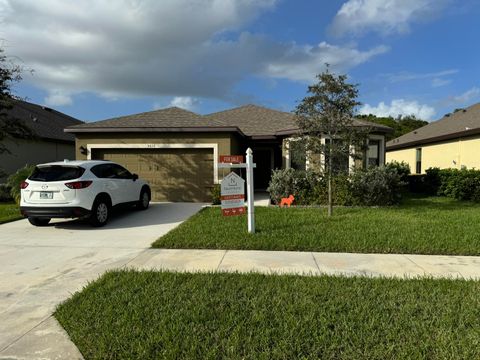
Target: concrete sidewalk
column 310, row 263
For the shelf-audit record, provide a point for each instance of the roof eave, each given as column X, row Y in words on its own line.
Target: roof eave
column 434, row 139
column 83, row 129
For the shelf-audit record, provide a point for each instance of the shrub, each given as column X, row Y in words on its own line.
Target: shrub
column 341, row 191
column 458, row 184
column 15, row 180
column 376, row 186
column 402, row 169
column 300, row 184
column 216, row 193
column 5, row 195
column 373, row 187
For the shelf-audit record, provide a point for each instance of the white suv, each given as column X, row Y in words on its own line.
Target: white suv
column 80, row 189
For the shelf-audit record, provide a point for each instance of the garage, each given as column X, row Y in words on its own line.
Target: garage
column 173, row 174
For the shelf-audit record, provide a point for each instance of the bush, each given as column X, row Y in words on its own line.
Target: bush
column 16, row 179
column 216, row 193
column 402, row 169
column 341, row 191
column 457, row 184
column 5, row 195
column 376, row 186
column 300, row 184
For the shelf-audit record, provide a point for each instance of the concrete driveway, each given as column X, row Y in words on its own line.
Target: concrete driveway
column 41, row 267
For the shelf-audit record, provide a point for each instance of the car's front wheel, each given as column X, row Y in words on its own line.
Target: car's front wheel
column 100, row 213
column 35, row 221
column 144, row 200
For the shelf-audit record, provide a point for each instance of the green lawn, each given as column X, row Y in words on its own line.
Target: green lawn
column 162, row 315
column 419, row 226
column 9, row 212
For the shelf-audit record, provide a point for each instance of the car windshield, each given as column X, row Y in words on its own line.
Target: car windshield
column 56, row 173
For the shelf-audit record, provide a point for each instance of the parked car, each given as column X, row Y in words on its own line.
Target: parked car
column 80, row 189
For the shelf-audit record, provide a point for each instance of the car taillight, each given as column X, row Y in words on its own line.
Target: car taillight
column 23, row 185
column 78, row 184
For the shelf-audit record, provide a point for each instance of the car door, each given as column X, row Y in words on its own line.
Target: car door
column 129, row 187
column 107, row 177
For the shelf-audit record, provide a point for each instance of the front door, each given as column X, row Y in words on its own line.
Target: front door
column 262, row 173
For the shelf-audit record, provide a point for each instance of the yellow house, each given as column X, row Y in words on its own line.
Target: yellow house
column 451, row 142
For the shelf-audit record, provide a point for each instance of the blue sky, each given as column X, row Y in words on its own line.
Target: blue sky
column 96, row 59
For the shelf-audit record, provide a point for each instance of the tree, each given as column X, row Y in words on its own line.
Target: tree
column 10, row 127
column 401, row 125
column 327, row 112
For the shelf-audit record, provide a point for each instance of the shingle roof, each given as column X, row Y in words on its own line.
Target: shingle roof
column 44, row 122
column 249, row 120
column 163, row 119
column 462, row 123
column 255, row 120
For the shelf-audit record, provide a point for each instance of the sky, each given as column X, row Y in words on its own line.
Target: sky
column 98, row 59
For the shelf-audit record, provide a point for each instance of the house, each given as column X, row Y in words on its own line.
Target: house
column 49, row 142
column 177, row 151
column 451, row 142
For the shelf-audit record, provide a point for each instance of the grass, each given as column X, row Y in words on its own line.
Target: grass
column 162, row 315
column 9, row 212
column 420, row 226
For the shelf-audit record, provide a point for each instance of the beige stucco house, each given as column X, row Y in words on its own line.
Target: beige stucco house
column 451, row 142
column 50, row 142
column 177, row 151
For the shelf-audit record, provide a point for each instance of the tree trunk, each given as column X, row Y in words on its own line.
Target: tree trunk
column 329, row 179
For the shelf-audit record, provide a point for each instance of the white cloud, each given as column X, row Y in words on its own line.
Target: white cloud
column 408, row 76
column 188, row 48
column 58, row 98
column 184, row 102
column 467, row 96
column 384, row 16
column 438, row 82
column 399, row 107
column 302, row 63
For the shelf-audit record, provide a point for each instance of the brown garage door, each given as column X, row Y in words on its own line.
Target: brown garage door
column 173, row 174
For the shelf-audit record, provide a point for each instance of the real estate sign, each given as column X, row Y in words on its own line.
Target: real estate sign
column 233, row 195
column 231, row 159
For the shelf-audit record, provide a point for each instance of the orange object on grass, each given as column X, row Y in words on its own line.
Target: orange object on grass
column 287, row 201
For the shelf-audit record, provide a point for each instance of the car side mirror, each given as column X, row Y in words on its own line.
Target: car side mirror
column 135, row 177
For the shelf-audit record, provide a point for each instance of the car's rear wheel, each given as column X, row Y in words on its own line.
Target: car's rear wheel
column 144, row 200
column 35, row 221
column 100, row 212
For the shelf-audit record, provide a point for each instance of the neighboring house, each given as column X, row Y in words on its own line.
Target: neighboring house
column 451, row 142
column 50, row 142
column 177, row 151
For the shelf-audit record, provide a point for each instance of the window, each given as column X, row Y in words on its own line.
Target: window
column 298, row 155
column 418, row 169
column 340, row 160
column 56, row 173
column 373, row 153
column 102, row 171
column 120, row 172
column 111, row 171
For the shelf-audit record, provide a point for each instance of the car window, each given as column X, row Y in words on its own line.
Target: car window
column 120, row 172
column 102, row 171
column 56, row 173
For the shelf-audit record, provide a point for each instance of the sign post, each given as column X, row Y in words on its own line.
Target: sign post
column 250, row 200
column 233, row 190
